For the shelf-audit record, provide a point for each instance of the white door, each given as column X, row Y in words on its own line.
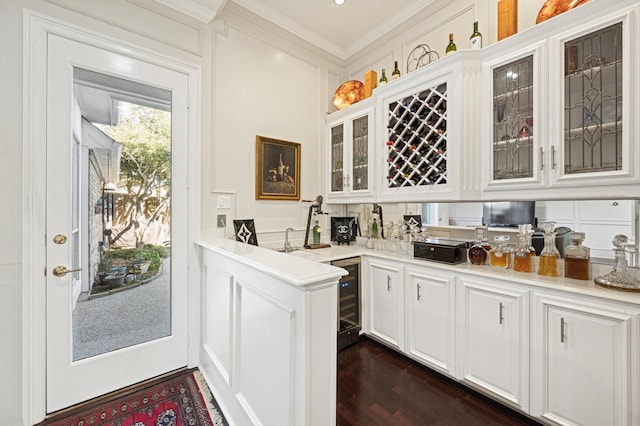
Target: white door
column 71, row 380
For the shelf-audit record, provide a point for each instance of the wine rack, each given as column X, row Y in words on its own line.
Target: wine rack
column 417, row 139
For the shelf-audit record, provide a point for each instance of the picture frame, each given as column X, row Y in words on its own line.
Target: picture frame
column 277, row 169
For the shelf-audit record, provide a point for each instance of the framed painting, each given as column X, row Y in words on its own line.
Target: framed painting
column 277, row 169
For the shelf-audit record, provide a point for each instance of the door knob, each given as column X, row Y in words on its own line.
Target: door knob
column 61, row 271
column 60, row 239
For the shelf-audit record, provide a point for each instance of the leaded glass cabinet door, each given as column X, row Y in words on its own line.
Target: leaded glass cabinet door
column 513, row 118
column 337, row 158
column 359, row 176
column 597, row 104
column 593, row 95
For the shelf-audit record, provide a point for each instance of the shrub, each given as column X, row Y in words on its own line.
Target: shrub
column 150, row 253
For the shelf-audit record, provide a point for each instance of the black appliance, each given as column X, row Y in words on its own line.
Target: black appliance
column 441, row 250
column 349, row 321
column 344, row 229
column 509, row 214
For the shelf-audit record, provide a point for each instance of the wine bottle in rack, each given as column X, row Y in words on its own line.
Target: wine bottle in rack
column 396, row 71
column 475, row 41
column 451, row 47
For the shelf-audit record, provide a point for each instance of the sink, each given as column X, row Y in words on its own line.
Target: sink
column 297, row 251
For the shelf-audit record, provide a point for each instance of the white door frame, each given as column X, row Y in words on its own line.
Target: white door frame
column 37, row 27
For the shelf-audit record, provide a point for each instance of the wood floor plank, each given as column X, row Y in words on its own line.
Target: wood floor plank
column 378, row 386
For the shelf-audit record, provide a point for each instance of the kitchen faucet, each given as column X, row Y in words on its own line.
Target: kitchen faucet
column 287, row 243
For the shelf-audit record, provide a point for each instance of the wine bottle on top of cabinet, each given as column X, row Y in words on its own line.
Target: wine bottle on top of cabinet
column 396, row 71
column 383, row 78
column 475, row 41
column 451, row 47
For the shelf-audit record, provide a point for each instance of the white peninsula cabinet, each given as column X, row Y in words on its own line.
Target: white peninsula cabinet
column 384, row 292
column 430, row 317
column 350, row 134
column 428, row 132
column 493, row 338
column 560, row 115
column 584, row 361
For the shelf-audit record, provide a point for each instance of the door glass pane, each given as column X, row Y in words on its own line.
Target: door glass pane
column 360, row 153
column 337, row 158
column 513, row 120
column 593, row 102
column 125, row 218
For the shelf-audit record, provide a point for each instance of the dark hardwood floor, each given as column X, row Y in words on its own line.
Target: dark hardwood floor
column 377, row 386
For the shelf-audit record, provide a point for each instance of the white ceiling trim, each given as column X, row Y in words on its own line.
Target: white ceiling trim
column 259, row 8
column 196, row 10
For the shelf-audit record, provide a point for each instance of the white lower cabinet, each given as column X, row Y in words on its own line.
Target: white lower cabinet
column 584, row 361
column 493, row 336
column 386, row 301
column 429, row 317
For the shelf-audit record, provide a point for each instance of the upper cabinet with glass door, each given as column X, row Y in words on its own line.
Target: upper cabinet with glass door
column 350, row 154
column 581, row 141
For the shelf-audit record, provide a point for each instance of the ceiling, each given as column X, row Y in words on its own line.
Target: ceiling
column 341, row 30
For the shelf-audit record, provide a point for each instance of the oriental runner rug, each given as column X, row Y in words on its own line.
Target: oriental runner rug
column 183, row 400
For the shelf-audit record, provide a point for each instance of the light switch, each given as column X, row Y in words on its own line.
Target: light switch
column 224, row 201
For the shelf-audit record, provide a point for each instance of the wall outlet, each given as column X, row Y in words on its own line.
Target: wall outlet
column 222, row 221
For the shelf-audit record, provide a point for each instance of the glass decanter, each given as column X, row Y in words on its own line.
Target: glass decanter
column 548, row 263
column 477, row 252
column 619, row 278
column 522, row 257
column 576, row 258
column 499, row 256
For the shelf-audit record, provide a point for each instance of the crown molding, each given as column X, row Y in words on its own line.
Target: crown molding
column 195, row 9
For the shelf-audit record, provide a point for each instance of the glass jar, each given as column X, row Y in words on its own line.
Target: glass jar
column 500, row 255
column 477, row 252
column 576, row 258
column 619, row 278
column 548, row 262
column 522, row 257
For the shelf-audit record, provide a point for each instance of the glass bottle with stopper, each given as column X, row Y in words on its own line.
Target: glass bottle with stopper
column 500, row 255
column 478, row 252
column 576, row 258
column 619, row 278
column 524, row 253
column 548, row 263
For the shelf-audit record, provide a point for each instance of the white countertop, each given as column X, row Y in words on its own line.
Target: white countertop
column 311, row 265
column 302, row 272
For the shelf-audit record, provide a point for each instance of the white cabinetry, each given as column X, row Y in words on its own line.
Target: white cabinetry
column 584, row 362
column 429, row 317
column 386, row 302
column 576, row 136
column 428, row 140
column 493, row 337
column 350, row 154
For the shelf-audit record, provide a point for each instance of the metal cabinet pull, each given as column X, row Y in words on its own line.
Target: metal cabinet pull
column 501, row 310
column 541, row 158
column 561, row 330
column 419, row 292
column 553, row 157
column 388, row 282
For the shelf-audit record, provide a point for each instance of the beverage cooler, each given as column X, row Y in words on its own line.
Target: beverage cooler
column 349, row 321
